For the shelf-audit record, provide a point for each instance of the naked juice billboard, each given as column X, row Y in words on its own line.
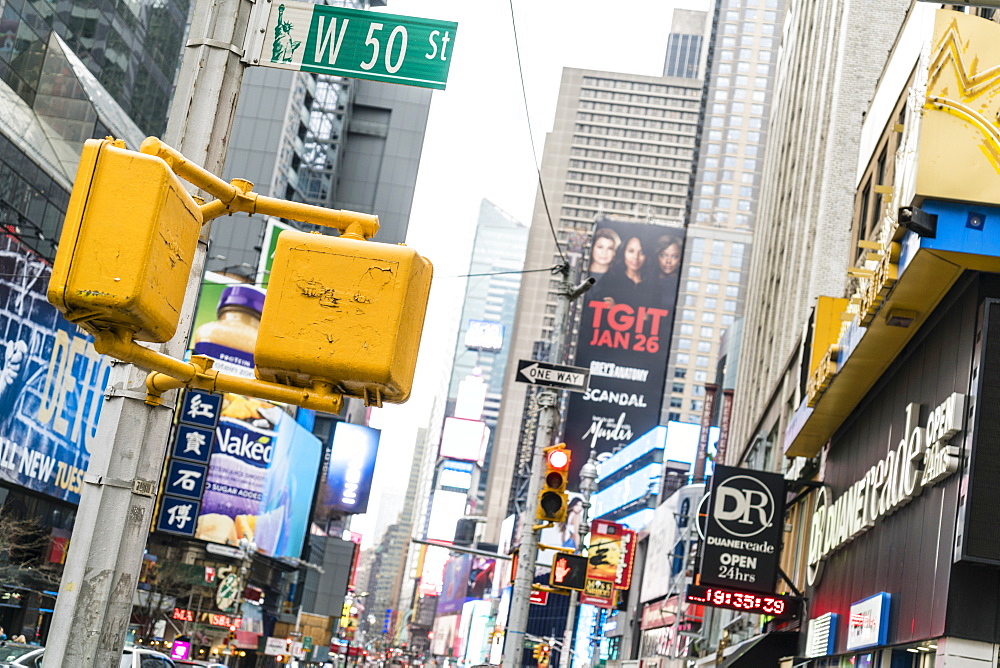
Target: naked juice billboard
column 624, row 337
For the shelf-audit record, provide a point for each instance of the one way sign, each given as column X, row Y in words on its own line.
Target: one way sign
column 573, row 378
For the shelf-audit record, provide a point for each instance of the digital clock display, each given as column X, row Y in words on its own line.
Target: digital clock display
column 734, row 599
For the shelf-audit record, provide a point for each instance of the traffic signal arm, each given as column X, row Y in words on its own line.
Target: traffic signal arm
column 169, row 373
column 237, row 196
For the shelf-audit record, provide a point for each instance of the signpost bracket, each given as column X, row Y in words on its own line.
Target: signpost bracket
column 809, row 485
column 788, row 581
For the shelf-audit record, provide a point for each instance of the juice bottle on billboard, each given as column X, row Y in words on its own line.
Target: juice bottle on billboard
column 230, row 339
column 239, row 459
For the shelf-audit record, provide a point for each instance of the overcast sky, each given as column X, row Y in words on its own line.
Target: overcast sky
column 478, row 146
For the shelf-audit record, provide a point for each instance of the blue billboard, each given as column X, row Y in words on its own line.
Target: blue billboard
column 52, row 383
column 347, row 472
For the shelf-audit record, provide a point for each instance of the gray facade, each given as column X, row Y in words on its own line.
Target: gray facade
column 69, row 73
column 827, row 75
column 329, row 141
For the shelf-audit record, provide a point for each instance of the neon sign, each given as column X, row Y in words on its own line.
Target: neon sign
column 748, row 601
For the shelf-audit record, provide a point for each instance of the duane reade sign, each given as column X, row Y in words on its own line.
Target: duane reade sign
column 923, row 457
column 746, row 516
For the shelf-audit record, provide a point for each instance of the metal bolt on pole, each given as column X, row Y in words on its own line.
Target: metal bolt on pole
column 92, row 610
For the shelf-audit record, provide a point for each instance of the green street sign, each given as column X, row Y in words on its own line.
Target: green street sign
column 351, row 43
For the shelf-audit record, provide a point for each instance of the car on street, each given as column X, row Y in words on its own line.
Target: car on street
column 17, row 654
column 140, row 657
column 14, row 655
column 181, row 663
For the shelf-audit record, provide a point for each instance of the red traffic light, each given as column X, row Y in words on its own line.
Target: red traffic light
column 558, row 459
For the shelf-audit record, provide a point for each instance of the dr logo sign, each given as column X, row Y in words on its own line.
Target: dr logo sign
column 744, row 529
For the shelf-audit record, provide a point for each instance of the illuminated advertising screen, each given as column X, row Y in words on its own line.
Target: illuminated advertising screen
column 464, row 439
column 346, row 481
column 446, row 509
column 624, row 336
column 455, row 475
column 484, row 335
column 261, row 480
column 51, row 383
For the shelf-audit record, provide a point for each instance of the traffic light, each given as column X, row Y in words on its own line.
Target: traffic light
column 345, row 312
column 544, row 656
column 552, row 502
column 127, row 245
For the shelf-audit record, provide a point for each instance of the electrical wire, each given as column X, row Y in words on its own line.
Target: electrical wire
column 531, row 137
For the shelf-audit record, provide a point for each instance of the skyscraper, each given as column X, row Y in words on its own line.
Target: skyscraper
column 727, row 182
column 324, row 140
column 490, row 296
column 621, row 144
column 685, row 55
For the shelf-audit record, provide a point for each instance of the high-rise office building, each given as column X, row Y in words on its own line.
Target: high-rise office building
column 803, row 234
column 741, row 62
column 688, row 33
column 490, row 297
column 70, row 72
column 622, row 145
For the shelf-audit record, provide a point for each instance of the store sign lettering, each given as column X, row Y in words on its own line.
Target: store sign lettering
column 923, row 457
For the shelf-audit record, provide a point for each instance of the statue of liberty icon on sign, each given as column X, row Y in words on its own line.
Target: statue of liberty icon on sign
column 283, row 47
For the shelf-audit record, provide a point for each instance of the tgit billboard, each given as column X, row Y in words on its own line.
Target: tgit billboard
column 624, row 339
column 51, row 382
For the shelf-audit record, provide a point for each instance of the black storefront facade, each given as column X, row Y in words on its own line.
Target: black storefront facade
column 904, row 544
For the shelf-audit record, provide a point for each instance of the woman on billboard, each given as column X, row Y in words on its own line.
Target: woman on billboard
column 668, row 263
column 627, row 280
column 606, row 243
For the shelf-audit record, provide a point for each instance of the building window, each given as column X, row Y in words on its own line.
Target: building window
column 701, row 360
column 676, row 402
column 680, row 373
column 683, row 358
column 678, row 387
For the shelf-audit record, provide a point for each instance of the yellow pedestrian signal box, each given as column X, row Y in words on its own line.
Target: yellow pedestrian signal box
column 552, row 501
column 344, row 312
column 127, row 245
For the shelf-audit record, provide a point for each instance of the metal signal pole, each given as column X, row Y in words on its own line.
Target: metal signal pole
column 547, row 403
column 92, row 611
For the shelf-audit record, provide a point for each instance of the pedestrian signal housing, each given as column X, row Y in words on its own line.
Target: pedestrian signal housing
column 552, row 501
column 569, row 571
column 127, row 244
column 343, row 312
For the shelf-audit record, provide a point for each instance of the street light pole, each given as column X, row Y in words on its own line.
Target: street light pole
column 92, row 610
column 588, row 485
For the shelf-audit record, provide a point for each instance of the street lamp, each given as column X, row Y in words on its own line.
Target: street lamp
column 588, row 485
